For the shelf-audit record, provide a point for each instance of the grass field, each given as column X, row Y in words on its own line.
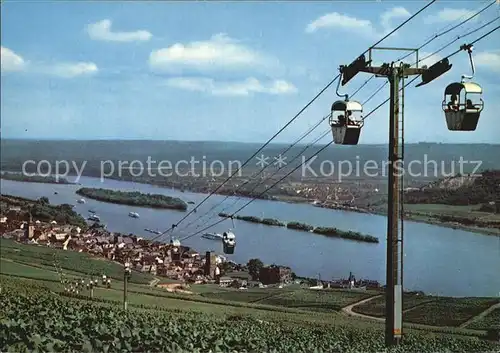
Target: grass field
column 247, row 296
column 428, row 212
column 12, row 268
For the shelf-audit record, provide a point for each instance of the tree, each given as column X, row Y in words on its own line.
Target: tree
column 226, row 267
column 43, row 200
column 254, row 266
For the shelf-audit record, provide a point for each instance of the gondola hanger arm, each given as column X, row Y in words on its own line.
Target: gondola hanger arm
column 345, row 96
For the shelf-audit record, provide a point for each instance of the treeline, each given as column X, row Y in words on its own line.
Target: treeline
column 492, row 208
column 334, row 232
column 41, row 210
column 133, row 198
column 34, row 178
column 475, row 221
column 483, row 189
column 326, row 231
column 253, row 219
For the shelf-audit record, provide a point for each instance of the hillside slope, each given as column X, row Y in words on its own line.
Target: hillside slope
column 459, row 190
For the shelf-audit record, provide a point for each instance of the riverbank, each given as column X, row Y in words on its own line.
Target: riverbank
column 34, row 178
column 133, row 198
column 20, row 208
column 456, row 217
column 426, row 246
column 375, row 210
column 410, row 215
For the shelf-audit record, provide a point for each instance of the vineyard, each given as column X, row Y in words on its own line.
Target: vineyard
column 35, row 319
column 39, row 316
column 316, row 300
column 430, row 310
column 492, row 320
column 449, row 311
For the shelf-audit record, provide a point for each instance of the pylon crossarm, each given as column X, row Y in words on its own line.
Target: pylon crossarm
column 384, row 71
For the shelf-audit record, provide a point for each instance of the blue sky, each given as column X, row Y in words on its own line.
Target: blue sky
column 224, row 70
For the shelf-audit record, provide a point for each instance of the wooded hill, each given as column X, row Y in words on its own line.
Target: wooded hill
column 460, row 190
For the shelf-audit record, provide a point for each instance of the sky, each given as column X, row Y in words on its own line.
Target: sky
column 227, row 71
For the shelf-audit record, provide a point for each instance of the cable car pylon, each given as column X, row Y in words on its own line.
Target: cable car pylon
column 394, row 274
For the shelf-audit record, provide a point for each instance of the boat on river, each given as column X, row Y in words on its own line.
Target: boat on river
column 94, row 218
column 157, row 232
column 212, row 236
column 133, row 214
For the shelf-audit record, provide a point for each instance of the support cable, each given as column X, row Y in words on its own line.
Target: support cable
column 323, row 134
column 262, row 193
column 251, row 157
column 459, row 37
column 437, row 35
column 296, row 116
column 252, row 177
column 267, row 189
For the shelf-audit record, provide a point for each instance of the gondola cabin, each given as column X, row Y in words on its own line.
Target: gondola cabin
column 462, row 106
column 228, row 242
column 346, row 122
column 176, row 244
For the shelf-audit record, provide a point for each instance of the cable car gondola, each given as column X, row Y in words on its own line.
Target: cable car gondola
column 346, row 122
column 228, row 242
column 176, row 245
column 462, row 103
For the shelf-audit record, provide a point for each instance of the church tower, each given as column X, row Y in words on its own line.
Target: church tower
column 30, row 227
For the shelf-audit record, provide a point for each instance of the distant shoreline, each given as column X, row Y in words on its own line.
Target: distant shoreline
column 299, row 200
column 14, row 176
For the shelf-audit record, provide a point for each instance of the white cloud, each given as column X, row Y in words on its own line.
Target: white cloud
column 14, row 62
column 428, row 58
column 102, row 31
column 240, row 88
column 11, row 61
column 71, row 70
column 337, row 20
column 365, row 27
column 219, row 51
column 489, row 60
column 449, row 15
column 395, row 13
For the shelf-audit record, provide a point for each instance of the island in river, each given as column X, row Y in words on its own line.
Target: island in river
column 326, row 231
column 133, row 198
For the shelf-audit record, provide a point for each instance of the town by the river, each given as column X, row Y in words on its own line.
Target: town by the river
column 437, row 260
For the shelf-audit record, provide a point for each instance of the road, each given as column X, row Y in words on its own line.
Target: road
column 348, row 309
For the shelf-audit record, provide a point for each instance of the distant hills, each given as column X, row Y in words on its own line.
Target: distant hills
column 15, row 152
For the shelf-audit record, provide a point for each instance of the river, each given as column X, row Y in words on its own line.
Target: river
column 438, row 260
